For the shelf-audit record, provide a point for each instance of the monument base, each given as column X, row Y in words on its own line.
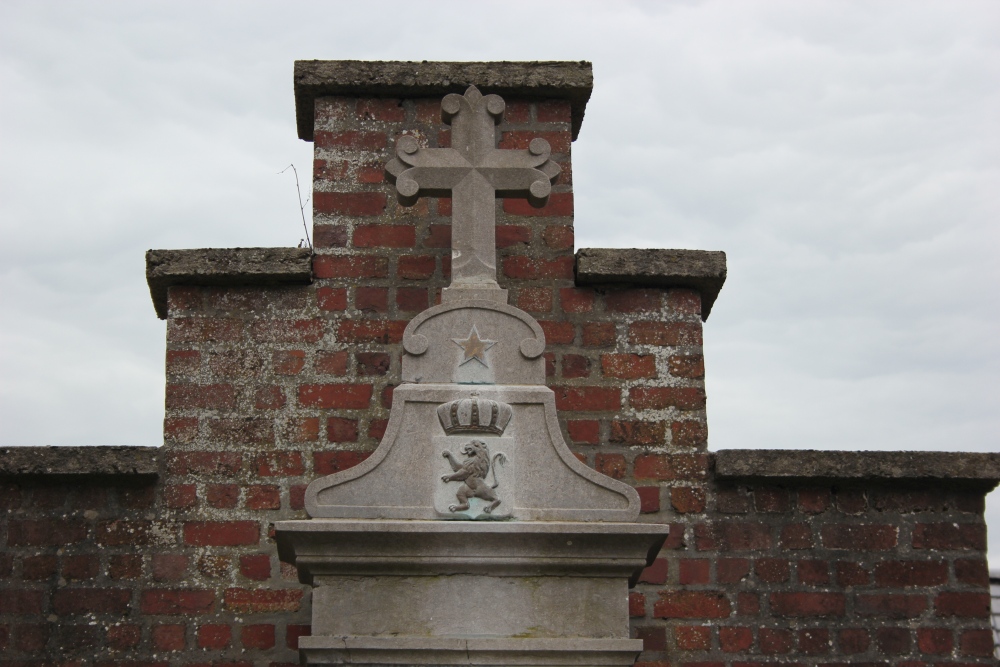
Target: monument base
column 430, row 651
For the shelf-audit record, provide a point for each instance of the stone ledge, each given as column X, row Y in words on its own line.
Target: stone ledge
column 966, row 468
column 232, row 267
column 703, row 270
column 565, row 80
column 78, row 461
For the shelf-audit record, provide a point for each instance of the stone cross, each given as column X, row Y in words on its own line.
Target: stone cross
column 475, row 173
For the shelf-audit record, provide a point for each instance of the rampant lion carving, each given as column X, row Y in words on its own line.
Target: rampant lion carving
column 473, row 472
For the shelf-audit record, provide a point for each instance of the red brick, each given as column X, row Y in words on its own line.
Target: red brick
column 633, row 300
column 732, row 570
column 259, row 636
column 688, row 433
column 384, row 236
column 972, row 571
column 263, row 497
column 692, row 604
column 962, row 605
column 287, row 331
column 598, row 334
column 330, row 362
column 214, row 637
column 935, row 641
column 769, row 499
column 772, row 570
column 664, row 333
column 221, row 464
column 553, row 111
column 684, row 301
column 416, row 267
column 263, row 601
column 693, row 571
column 797, row 536
column 438, row 236
column 687, row 499
column 575, row 300
column 558, row 237
column 978, row 643
column 775, row 640
column 852, row 574
column 80, row 567
column 693, row 637
column 176, row 601
column 45, row 532
column 637, row 433
column 330, row 236
column 183, row 362
column 371, row 331
column 293, row 632
column 91, row 601
column 900, row 573
column 649, row 499
column 659, row 398
column 950, row 536
column 671, row 466
column 892, row 641
column 814, row 500
column 612, row 465
column 280, row 464
column 269, row 398
column 287, row 362
column 636, row 605
column 558, row 333
column 382, row 109
column 584, row 431
column 331, row 298
column 861, row 537
column 628, row 366
column 653, row 638
column 807, row 604
column 124, row 567
column 521, row 267
column 558, row 141
column 535, row 299
column 169, row 567
column 851, row 501
column 890, row 606
column 168, row 637
column 204, row 329
column 411, row 299
column 853, row 640
column 327, row 463
column 735, row 640
column 687, row 366
column 256, row 567
column 350, row 266
column 340, row 429
column 122, row 532
column 21, row 602
column 223, row 496
column 733, row 536
column 575, row 366
column 242, row 430
column 814, row 572
column 814, row 641
column 517, row 112
column 337, row 396
column 205, row 396
column 511, row 235
column 124, row 636
column 372, row 299
column 353, row 139
column 747, row 604
column 180, row 429
column 655, row 573
column 221, row 533
column 183, row 297
column 587, row 398
column 37, row 568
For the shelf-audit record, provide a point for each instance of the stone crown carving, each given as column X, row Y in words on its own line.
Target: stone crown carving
column 474, row 415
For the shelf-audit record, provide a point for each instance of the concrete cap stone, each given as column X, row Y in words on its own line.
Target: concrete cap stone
column 965, row 468
column 702, row 270
column 537, row 80
column 232, row 267
column 78, row 460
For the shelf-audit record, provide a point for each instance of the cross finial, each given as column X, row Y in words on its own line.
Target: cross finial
column 474, row 171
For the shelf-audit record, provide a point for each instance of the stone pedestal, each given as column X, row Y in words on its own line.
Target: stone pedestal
column 472, row 535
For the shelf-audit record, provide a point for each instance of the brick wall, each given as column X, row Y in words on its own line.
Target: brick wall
column 271, row 387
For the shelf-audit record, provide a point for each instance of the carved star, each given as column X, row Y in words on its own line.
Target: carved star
column 474, row 347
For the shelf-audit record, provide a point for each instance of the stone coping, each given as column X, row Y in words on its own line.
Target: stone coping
column 967, row 468
column 231, row 267
column 78, row 460
column 565, row 80
column 703, row 270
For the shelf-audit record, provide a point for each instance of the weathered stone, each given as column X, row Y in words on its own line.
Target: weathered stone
column 79, row 460
column 230, row 267
column 955, row 468
column 538, row 80
column 702, row 270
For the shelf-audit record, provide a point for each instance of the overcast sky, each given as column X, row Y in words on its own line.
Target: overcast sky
column 846, row 156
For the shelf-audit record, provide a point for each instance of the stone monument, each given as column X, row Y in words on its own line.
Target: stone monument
column 472, row 535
